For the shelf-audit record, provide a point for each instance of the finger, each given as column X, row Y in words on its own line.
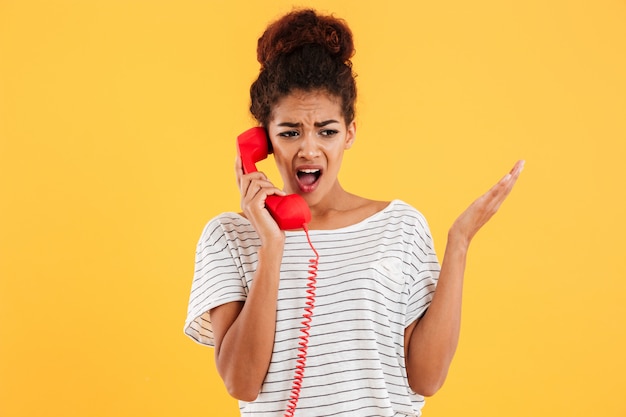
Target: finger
column 254, row 203
column 497, row 195
column 507, row 182
column 258, row 196
column 518, row 168
column 257, row 182
column 250, row 186
column 238, row 165
column 514, row 175
column 238, row 170
column 247, row 178
column 277, row 191
column 500, row 191
column 515, row 171
column 265, row 187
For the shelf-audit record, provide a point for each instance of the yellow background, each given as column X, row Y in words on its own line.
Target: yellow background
column 117, row 127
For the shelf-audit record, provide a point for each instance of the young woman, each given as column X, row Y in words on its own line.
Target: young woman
column 381, row 338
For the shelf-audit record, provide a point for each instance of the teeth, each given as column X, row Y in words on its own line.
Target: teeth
column 309, row 171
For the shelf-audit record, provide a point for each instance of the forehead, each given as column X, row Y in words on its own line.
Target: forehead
column 312, row 105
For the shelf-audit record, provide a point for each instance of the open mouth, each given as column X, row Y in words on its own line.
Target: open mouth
column 308, row 178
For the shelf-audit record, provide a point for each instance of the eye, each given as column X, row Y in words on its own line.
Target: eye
column 329, row 132
column 289, row 134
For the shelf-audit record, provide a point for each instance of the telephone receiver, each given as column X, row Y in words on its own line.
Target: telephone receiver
column 290, row 211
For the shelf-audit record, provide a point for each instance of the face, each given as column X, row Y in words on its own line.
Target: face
column 309, row 135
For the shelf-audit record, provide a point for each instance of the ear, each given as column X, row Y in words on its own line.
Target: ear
column 350, row 135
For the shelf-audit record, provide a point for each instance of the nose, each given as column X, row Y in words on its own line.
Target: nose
column 308, row 147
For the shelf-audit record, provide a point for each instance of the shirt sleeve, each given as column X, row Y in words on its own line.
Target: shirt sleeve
column 423, row 270
column 217, row 280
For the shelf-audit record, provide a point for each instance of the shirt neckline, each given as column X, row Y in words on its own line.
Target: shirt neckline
column 347, row 228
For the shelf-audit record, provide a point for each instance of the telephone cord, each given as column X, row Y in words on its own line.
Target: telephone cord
column 304, row 336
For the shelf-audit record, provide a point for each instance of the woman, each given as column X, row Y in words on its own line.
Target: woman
column 381, row 337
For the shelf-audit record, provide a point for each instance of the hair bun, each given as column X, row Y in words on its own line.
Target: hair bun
column 305, row 27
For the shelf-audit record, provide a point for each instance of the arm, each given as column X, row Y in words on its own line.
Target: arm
column 244, row 332
column 430, row 343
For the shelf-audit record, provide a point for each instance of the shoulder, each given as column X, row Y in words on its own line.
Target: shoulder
column 394, row 211
column 412, row 219
column 395, row 208
column 404, row 208
column 371, row 207
column 226, row 224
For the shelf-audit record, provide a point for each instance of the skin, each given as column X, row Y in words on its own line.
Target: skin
column 308, row 131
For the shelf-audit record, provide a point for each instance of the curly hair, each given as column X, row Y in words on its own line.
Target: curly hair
column 305, row 51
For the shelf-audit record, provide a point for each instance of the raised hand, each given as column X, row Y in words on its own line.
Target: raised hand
column 480, row 211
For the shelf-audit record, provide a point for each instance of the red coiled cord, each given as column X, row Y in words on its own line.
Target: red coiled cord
column 304, row 337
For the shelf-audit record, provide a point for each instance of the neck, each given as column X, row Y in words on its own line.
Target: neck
column 336, row 200
column 336, row 210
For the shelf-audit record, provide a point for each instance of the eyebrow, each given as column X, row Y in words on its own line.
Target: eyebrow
column 316, row 124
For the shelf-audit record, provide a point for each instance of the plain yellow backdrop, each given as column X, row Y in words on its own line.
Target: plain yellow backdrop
column 117, row 127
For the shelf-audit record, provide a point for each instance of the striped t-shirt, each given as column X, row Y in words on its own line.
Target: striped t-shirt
column 374, row 279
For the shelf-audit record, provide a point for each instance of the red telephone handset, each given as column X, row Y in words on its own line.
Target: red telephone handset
column 290, row 211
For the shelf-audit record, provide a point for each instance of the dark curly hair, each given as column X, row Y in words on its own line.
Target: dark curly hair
column 305, row 51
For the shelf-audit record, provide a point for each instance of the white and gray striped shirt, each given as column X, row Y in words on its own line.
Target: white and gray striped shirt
column 374, row 279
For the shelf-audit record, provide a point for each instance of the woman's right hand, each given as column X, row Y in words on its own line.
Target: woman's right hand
column 254, row 189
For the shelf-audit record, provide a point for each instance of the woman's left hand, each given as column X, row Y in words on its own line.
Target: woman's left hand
column 481, row 210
